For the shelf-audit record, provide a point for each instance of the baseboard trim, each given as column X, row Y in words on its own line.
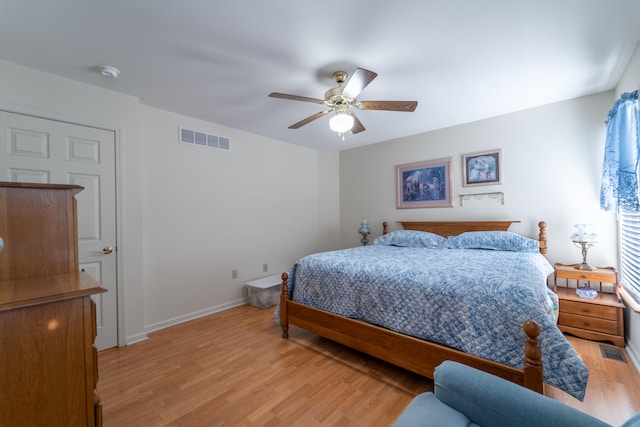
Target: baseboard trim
column 137, row 338
column 194, row 315
column 633, row 355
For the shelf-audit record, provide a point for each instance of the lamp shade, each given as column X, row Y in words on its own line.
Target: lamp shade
column 585, row 233
column 341, row 122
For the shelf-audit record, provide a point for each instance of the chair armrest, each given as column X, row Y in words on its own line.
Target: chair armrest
column 489, row 400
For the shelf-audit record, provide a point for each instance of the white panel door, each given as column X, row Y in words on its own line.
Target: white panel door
column 48, row 151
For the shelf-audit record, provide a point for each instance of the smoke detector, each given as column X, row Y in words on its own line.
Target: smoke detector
column 109, row 71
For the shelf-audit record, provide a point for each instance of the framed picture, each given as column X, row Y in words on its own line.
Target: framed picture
column 482, row 168
column 425, row 184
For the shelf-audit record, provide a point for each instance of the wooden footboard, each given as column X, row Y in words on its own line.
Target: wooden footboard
column 414, row 354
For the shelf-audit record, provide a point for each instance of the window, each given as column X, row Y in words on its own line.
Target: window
column 629, row 237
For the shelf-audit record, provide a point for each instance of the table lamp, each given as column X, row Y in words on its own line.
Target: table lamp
column 364, row 230
column 584, row 237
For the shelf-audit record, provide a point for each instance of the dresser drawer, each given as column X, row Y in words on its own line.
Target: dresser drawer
column 588, row 323
column 604, row 312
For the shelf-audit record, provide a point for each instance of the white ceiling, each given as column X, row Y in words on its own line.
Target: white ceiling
column 462, row 60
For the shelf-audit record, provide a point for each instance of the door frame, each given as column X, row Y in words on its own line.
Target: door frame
column 119, row 185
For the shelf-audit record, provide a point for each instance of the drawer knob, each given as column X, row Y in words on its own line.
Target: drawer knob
column 586, row 310
column 586, row 323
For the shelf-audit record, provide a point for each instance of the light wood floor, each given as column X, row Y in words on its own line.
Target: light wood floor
column 233, row 369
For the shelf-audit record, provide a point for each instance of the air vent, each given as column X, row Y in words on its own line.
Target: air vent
column 193, row 137
column 612, row 353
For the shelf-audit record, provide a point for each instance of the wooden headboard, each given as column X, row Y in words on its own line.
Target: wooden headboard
column 453, row 228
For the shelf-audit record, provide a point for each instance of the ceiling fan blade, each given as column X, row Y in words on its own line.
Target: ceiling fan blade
column 407, row 106
column 309, row 119
column 357, row 124
column 358, row 81
column 296, row 97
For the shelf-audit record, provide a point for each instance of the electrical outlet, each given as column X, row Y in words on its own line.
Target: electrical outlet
column 265, row 267
column 234, row 274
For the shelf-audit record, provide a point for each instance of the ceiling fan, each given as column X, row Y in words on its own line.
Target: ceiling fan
column 342, row 99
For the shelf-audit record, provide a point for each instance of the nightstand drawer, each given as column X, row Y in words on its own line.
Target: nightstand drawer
column 588, row 323
column 599, row 275
column 589, row 310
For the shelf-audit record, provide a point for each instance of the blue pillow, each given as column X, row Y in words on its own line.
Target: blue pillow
column 412, row 239
column 494, row 240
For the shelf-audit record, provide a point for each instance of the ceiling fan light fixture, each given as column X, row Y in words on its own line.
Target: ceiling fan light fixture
column 341, row 122
column 342, row 100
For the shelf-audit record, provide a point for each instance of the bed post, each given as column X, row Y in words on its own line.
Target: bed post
column 533, row 377
column 542, row 237
column 384, row 228
column 284, row 297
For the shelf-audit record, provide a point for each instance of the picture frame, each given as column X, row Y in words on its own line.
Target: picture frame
column 424, row 184
column 482, row 168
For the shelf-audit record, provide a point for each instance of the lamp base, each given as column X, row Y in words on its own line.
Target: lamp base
column 584, row 266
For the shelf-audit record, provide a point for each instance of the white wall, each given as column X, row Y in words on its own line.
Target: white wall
column 629, row 82
column 552, row 163
column 207, row 212
column 192, row 215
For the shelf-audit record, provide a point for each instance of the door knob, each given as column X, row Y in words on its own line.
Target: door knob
column 107, row 250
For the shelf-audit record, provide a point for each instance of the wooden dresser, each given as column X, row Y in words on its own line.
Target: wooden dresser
column 48, row 363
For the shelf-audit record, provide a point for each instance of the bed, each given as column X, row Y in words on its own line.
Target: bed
column 416, row 307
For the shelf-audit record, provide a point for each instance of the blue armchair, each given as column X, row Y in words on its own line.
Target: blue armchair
column 464, row 396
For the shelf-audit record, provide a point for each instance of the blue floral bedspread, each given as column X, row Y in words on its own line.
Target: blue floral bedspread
column 474, row 300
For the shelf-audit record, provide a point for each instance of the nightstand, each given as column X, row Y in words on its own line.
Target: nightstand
column 599, row 318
